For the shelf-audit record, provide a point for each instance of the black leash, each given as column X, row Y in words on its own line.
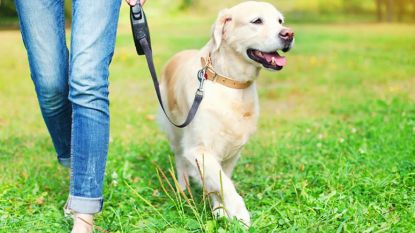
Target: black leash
column 141, row 34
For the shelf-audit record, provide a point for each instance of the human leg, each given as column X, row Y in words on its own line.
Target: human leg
column 42, row 25
column 94, row 28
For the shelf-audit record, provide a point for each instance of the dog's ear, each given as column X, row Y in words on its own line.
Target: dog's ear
column 218, row 29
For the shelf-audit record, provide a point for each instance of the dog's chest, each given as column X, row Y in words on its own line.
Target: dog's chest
column 238, row 123
column 232, row 119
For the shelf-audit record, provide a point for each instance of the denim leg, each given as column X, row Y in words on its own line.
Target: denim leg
column 43, row 30
column 94, row 26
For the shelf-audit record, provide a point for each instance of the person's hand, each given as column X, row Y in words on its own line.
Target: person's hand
column 134, row 2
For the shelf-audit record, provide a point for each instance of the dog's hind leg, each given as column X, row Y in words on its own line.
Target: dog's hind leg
column 208, row 171
column 181, row 168
column 181, row 171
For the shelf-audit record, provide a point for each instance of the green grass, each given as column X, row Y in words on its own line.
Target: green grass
column 334, row 151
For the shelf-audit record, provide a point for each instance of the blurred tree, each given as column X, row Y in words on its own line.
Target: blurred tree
column 394, row 9
column 327, row 7
column 403, row 7
column 68, row 9
column 7, row 8
column 185, row 4
column 353, row 6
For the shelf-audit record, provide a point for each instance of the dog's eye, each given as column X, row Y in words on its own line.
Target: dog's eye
column 280, row 21
column 257, row 21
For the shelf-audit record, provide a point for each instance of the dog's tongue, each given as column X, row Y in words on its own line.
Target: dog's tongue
column 275, row 59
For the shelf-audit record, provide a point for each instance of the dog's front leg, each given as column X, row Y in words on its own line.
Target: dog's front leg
column 229, row 164
column 208, row 171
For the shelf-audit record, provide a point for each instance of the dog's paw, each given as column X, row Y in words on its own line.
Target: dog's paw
column 219, row 212
column 236, row 208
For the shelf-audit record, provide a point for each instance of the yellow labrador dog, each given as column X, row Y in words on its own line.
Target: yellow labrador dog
column 245, row 38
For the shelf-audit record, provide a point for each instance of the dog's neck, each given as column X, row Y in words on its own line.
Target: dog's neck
column 226, row 61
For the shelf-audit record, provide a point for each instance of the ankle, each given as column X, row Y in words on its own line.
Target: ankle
column 83, row 223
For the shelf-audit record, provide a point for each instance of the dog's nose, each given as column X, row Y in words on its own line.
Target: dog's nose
column 287, row 34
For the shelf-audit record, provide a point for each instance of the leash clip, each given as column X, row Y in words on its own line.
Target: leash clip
column 201, row 78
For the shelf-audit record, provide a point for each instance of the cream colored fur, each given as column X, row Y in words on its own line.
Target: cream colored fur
column 227, row 117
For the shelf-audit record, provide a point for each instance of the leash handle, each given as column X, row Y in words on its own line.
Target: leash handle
column 142, row 41
column 139, row 27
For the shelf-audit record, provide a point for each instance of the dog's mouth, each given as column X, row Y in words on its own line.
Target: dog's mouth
column 270, row 60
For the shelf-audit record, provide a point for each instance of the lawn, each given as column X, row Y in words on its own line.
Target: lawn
column 334, row 151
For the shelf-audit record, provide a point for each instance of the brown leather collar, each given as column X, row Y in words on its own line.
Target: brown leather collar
column 211, row 75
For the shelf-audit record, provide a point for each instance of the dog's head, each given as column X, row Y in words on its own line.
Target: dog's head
column 255, row 31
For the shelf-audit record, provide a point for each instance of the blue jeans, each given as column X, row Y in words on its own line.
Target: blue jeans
column 72, row 89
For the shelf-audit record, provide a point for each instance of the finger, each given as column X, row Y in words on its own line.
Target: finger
column 132, row 2
column 142, row 2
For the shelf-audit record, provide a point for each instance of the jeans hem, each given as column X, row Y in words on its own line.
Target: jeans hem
column 84, row 205
column 66, row 162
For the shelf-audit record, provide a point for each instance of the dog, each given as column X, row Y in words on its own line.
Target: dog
column 245, row 39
